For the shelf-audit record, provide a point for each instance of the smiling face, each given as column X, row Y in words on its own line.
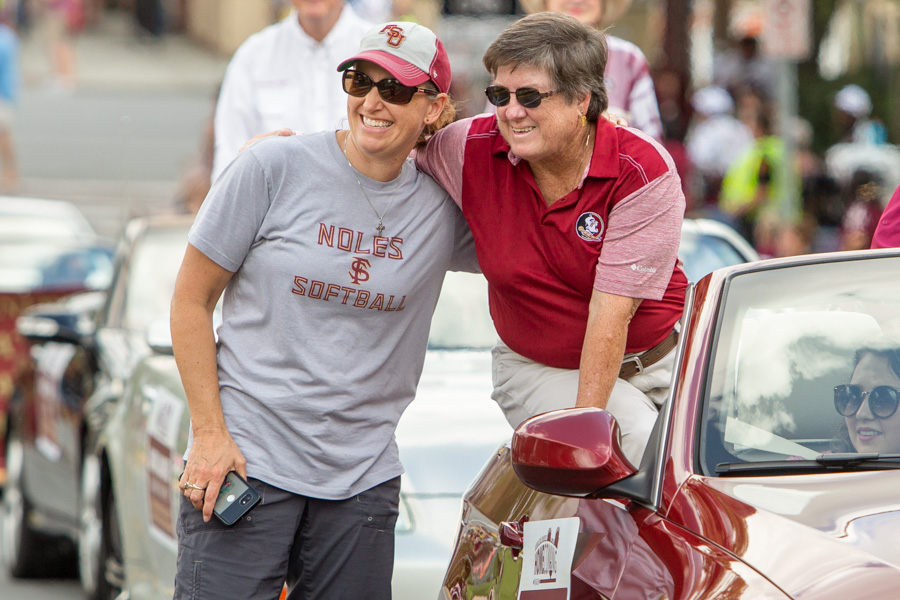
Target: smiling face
column 868, row 433
column 548, row 134
column 382, row 132
column 589, row 12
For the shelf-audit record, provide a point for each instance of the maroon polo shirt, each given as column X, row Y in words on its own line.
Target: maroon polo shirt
column 617, row 233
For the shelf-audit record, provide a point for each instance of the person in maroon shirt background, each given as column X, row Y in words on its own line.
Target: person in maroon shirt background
column 887, row 234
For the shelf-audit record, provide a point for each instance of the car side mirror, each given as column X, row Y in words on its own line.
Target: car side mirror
column 570, row 452
column 158, row 335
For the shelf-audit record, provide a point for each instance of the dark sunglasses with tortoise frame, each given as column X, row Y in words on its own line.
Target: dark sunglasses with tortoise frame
column 358, row 84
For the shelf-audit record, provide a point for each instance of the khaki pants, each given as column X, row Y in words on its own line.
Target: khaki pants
column 524, row 388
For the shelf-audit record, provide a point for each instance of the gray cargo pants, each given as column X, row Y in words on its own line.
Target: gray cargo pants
column 321, row 548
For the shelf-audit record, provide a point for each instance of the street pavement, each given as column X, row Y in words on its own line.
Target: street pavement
column 114, row 55
column 118, row 143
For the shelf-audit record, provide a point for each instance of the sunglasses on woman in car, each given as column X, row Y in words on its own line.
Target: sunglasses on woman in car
column 358, row 84
column 883, row 400
column 527, row 97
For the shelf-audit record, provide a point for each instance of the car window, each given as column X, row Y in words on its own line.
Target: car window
column 151, row 277
column 89, row 268
column 702, row 253
column 786, row 338
column 27, row 219
column 49, row 266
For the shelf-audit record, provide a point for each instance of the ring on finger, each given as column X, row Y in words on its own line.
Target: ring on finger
column 191, row 486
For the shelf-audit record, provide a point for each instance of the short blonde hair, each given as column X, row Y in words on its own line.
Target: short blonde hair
column 447, row 116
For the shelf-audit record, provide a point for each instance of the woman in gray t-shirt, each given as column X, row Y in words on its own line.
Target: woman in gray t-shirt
column 330, row 249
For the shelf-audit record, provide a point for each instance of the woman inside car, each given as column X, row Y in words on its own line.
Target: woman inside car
column 869, row 403
column 577, row 225
column 330, row 249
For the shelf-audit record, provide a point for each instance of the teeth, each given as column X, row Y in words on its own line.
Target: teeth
column 522, row 130
column 373, row 123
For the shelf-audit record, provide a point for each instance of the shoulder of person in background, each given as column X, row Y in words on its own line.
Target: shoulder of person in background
column 887, row 234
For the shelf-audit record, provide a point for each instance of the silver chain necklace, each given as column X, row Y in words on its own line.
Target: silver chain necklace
column 380, row 227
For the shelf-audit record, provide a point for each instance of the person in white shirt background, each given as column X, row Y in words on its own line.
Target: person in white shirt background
column 714, row 140
column 283, row 77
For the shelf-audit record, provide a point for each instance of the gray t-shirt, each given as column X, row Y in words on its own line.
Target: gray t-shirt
column 325, row 324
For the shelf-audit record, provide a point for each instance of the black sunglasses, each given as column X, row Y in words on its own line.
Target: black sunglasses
column 883, row 400
column 527, row 97
column 358, row 84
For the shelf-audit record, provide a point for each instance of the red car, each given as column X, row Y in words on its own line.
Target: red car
column 48, row 251
column 773, row 472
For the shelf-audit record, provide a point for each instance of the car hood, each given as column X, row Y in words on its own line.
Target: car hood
column 445, row 437
column 453, row 426
column 815, row 536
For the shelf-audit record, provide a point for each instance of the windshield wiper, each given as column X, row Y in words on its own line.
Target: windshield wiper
column 823, row 463
column 849, row 459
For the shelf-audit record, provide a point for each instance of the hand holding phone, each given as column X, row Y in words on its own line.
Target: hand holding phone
column 235, row 499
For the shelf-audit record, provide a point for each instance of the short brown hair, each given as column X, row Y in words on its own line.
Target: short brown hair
column 572, row 53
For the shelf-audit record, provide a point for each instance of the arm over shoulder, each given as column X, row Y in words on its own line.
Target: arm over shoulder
column 444, row 155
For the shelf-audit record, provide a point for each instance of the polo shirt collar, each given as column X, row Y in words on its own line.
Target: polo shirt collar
column 604, row 161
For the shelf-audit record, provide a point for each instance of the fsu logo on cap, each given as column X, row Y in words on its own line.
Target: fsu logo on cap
column 395, row 35
column 589, row 227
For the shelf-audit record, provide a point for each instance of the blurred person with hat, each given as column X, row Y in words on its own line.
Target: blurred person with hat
column 281, row 77
column 332, row 260
column 715, row 139
column 629, row 86
column 577, row 223
column 743, row 65
column 853, row 110
column 754, row 189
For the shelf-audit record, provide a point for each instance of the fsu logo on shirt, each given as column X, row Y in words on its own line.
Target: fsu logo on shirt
column 589, row 227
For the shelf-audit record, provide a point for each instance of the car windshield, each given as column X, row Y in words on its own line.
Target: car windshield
column 24, row 219
column 151, row 279
column 786, row 338
column 46, row 265
column 703, row 253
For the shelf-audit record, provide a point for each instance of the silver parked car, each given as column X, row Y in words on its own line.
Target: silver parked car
column 134, row 456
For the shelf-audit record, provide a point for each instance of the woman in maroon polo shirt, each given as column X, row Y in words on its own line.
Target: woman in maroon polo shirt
column 576, row 222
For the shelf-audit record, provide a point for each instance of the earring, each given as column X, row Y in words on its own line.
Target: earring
column 582, row 119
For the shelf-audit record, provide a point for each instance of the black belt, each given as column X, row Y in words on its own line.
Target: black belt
column 633, row 364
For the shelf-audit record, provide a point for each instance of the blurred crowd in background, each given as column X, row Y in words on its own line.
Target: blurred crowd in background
column 721, row 124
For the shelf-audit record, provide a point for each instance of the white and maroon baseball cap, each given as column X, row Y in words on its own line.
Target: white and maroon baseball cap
column 408, row 51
